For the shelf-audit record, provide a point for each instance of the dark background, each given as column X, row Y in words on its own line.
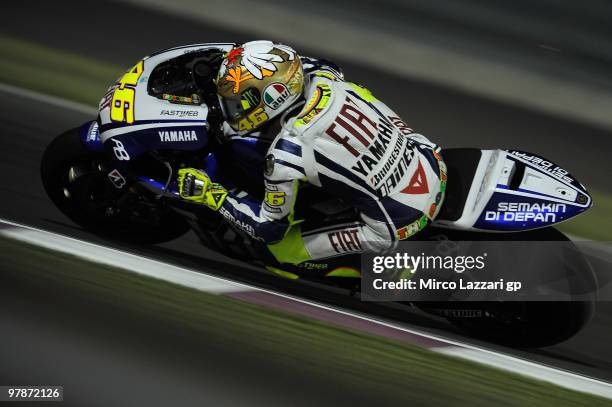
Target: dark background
column 448, row 116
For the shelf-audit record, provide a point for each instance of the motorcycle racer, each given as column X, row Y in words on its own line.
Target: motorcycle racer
column 332, row 134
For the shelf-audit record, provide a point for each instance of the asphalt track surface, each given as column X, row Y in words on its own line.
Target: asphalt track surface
column 448, row 117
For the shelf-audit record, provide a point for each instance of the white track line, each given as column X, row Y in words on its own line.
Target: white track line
column 120, row 259
column 535, row 370
column 208, row 283
column 50, row 100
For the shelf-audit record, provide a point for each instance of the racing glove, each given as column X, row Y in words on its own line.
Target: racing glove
column 196, row 186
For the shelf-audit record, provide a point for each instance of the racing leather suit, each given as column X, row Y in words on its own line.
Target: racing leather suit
column 352, row 145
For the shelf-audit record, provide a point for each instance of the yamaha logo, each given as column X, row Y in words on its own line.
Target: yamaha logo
column 169, row 136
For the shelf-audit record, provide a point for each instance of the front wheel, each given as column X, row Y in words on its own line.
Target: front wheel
column 74, row 179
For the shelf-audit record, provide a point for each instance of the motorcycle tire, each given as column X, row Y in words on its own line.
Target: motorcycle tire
column 529, row 323
column 81, row 200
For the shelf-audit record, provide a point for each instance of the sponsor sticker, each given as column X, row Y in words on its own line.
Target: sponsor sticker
column 119, row 150
column 545, row 212
column 418, row 183
column 275, row 94
column 179, row 113
column 544, row 165
column 345, row 241
column 180, row 135
column 313, row 266
column 186, row 100
column 116, row 179
column 92, row 134
column 315, row 105
column 249, row 99
column 407, row 232
column 245, row 227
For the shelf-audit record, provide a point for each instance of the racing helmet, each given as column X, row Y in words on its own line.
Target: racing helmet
column 257, row 81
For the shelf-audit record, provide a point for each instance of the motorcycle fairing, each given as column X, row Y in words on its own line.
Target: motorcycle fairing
column 157, row 123
column 513, row 191
column 144, row 136
column 90, row 136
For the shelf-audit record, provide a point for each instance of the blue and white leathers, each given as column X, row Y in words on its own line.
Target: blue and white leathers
column 352, row 145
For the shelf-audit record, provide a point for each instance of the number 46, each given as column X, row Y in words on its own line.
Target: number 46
column 254, row 119
column 122, row 104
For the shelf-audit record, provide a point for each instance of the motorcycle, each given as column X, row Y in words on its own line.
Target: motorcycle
column 116, row 177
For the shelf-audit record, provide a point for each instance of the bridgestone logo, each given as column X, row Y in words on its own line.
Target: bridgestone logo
column 189, row 135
